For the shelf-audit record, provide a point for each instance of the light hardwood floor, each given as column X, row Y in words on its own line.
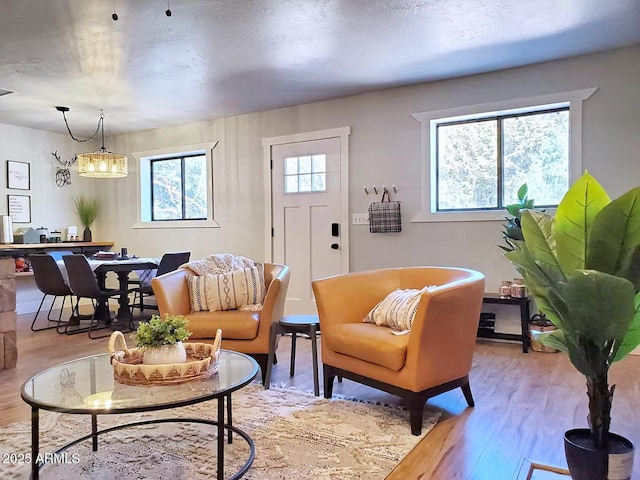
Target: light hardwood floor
column 524, row 403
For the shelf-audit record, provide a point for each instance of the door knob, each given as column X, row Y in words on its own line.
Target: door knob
column 335, row 246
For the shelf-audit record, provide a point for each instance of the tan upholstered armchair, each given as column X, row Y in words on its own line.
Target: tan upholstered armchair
column 243, row 331
column 433, row 358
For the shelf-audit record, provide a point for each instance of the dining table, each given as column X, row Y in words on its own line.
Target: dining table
column 143, row 266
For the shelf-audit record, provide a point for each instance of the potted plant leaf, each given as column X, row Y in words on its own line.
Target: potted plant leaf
column 162, row 339
column 87, row 210
column 512, row 229
column 512, row 232
column 583, row 269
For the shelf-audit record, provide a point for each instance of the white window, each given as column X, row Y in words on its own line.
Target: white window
column 175, row 187
column 475, row 158
column 179, row 187
column 481, row 163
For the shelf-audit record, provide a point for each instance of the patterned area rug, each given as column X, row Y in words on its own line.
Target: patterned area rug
column 297, row 435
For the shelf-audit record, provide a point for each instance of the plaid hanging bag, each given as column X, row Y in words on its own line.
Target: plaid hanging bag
column 384, row 216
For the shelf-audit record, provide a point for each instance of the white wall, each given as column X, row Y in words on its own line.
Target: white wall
column 385, row 149
column 51, row 206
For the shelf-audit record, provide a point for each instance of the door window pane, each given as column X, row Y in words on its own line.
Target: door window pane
column 305, row 174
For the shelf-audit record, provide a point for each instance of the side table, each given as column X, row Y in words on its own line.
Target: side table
column 524, row 304
column 295, row 324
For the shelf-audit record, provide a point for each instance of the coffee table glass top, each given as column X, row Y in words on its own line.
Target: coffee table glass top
column 86, row 385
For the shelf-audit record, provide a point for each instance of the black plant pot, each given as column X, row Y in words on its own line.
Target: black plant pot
column 586, row 462
column 86, row 235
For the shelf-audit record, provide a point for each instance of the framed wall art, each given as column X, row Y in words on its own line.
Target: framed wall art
column 20, row 208
column 18, row 175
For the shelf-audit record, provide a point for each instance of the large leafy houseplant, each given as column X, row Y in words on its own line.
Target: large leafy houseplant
column 583, row 269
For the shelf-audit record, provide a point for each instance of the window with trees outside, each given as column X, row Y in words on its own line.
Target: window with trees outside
column 179, row 187
column 482, row 161
column 475, row 157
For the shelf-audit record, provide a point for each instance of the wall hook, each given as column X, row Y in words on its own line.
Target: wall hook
column 375, row 190
column 394, row 189
column 365, row 190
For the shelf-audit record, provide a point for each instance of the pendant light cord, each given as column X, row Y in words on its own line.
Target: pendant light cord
column 92, row 136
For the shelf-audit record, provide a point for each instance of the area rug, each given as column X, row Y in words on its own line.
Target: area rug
column 298, row 436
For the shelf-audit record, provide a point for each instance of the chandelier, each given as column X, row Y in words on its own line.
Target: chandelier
column 101, row 163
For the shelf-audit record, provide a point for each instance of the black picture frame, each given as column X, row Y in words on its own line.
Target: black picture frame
column 19, row 207
column 18, row 175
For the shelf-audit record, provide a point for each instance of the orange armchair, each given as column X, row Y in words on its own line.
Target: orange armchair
column 433, row 358
column 243, row 331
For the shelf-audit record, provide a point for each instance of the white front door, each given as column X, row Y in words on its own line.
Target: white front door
column 308, row 215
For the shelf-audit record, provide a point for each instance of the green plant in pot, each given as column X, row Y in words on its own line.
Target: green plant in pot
column 583, row 269
column 87, row 210
column 162, row 339
column 511, row 233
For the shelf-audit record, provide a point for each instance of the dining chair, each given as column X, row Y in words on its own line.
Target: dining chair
column 168, row 263
column 50, row 282
column 84, row 284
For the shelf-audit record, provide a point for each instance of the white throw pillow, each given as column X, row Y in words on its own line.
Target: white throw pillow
column 397, row 310
column 227, row 291
column 256, row 289
column 214, row 293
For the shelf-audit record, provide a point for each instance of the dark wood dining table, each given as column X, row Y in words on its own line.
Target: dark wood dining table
column 122, row 268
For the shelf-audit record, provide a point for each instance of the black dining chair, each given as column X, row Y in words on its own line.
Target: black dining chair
column 50, row 282
column 84, row 284
column 168, row 263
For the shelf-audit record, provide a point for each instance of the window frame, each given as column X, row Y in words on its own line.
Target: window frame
column 144, row 190
column 499, row 118
column 430, row 119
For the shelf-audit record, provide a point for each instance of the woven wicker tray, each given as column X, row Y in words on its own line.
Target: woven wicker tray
column 202, row 362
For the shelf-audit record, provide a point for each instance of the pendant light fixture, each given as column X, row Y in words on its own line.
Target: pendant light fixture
column 99, row 164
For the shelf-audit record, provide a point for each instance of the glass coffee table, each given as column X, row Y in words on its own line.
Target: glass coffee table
column 86, row 387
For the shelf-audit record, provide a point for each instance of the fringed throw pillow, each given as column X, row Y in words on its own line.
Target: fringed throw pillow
column 397, row 310
column 227, row 291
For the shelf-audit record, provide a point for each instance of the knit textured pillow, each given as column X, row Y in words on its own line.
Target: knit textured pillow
column 397, row 310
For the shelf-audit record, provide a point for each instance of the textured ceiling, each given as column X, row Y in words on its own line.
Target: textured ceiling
column 215, row 58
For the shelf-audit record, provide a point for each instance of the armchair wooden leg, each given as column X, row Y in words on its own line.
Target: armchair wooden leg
column 263, row 361
column 271, row 358
column 466, row 390
column 328, row 377
column 415, row 404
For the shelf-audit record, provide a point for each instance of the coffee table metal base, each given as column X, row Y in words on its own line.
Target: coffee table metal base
column 35, row 467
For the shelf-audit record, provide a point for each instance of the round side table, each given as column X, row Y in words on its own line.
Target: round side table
column 295, row 324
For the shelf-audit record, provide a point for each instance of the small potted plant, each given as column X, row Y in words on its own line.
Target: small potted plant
column 162, row 339
column 581, row 266
column 512, row 229
column 512, row 232
column 87, row 210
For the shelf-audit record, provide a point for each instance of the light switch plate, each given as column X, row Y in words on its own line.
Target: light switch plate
column 360, row 219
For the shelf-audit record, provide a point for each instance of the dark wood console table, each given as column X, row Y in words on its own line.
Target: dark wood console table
column 524, row 303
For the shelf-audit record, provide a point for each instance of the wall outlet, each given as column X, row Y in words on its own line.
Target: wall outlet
column 360, row 219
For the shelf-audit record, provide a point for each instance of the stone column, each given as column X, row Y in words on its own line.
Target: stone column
column 8, row 346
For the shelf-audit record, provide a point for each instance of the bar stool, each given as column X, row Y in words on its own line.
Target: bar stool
column 295, row 324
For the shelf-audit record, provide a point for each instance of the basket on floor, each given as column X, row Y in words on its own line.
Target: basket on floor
column 202, row 362
column 536, row 331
